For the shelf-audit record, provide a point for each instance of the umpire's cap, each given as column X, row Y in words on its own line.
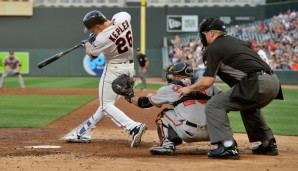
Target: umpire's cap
column 92, row 18
column 212, row 24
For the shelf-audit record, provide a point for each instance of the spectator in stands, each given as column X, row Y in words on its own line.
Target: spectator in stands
column 285, row 66
column 271, row 45
column 277, row 36
column 176, row 41
column 247, row 40
column 262, row 53
column 295, row 63
column 171, row 54
column 254, row 43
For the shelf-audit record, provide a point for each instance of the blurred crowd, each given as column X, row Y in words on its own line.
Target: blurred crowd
column 278, row 45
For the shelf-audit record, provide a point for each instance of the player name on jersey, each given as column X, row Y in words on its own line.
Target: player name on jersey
column 121, row 28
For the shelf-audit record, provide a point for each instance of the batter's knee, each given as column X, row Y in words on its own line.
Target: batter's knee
column 107, row 105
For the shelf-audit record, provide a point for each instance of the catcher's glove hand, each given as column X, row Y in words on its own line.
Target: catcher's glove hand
column 123, row 85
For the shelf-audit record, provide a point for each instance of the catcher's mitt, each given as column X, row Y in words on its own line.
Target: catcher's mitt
column 123, row 85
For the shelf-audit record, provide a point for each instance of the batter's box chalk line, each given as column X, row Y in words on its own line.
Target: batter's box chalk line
column 42, row 146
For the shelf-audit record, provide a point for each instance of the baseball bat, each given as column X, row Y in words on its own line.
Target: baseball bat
column 57, row 56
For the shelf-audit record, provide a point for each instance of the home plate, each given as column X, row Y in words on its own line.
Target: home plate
column 43, row 146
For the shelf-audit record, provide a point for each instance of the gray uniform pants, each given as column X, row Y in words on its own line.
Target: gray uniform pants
column 184, row 131
column 253, row 119
column 143, row 78
column 11, row 72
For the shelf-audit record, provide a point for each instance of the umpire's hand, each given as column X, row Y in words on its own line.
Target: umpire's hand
column 185, row 91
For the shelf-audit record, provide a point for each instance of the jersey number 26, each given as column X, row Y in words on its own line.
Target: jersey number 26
column 121, row 42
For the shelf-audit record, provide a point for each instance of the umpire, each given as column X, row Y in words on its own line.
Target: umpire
column 143, row 66
column 253, row 86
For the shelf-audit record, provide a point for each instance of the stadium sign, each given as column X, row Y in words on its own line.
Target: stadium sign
column 245, row 18
column 182, row 23
column 204, row 3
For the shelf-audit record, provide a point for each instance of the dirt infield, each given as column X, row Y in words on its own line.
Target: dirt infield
column 110, row 148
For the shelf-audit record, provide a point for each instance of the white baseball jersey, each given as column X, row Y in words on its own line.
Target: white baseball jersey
column 12, row 63
column 263, row 55
column 115, row 41
column 191, row 110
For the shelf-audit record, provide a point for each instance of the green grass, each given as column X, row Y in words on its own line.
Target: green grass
column 54, row 82
column 150, row 86
column 281, row 116
column 63, row 82
column 33, row 111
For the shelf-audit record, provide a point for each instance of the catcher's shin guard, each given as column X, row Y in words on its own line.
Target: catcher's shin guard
column 162, row 133
column 166, row 131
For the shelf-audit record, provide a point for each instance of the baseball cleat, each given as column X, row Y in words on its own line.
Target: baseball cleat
column 75, row 138
column 270, row 149
column 227, row 150
column 163, row 150
column 137, row 134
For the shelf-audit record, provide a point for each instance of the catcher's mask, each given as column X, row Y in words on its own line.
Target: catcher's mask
column 178, row 69
column 210, row 24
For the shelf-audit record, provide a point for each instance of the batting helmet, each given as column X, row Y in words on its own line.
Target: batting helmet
column 178, row 69
column 210, row 24
column 92, row 18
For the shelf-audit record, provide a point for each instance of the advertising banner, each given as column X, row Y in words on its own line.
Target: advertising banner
column 23, row 57
column 182, row 23
column 94, row 67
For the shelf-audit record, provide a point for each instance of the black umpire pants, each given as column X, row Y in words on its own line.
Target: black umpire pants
column 257, row 130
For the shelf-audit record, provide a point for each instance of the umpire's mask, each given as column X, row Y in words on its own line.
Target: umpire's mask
column 210, row 24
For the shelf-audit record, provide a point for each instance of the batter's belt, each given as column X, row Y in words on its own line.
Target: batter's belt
column 126, row 62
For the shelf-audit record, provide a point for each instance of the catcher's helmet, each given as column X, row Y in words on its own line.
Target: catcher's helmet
column 169, row 73
column 92, row 18
column 210, row 24
column 178, row 69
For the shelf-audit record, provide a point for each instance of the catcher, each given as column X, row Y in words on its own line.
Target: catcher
column 186, row 121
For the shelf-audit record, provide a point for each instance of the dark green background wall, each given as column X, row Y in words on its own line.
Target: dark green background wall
column 52, row 30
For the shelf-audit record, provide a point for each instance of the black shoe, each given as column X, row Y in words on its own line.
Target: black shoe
column 137, row 134
column 227, row 150
column 163, row 150
column 270, row 149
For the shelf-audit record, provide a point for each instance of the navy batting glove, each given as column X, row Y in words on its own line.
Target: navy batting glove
column 92, row 37
column 83, row 42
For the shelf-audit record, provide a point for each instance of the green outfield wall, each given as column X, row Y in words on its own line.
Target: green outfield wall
column 51, row 30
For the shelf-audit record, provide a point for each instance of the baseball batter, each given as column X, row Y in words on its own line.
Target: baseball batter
column 12, row 66
column 114, row 39
column 186, row 120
